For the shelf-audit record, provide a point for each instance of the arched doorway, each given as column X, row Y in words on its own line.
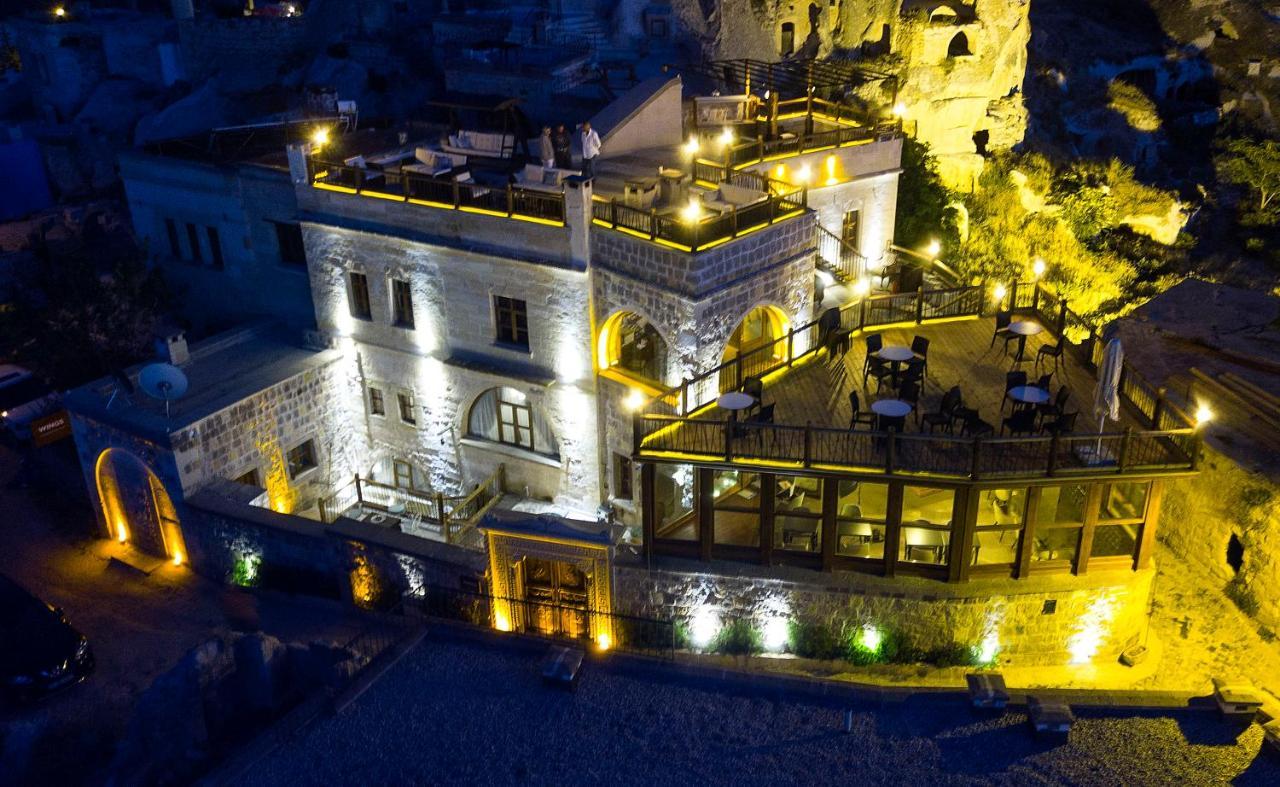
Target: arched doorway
column 136, row 506
column 959, row 46
column 630, row 345
column 759, row 341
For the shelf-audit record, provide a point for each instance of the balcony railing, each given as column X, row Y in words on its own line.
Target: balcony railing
column 669, row 427
column 670, row 227
column 443, row 193
column 838, row 257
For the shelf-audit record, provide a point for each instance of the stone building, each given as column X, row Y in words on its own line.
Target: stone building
column 645, row 393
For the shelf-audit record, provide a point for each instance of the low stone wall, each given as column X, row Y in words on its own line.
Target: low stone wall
column 1030, row 622
column 368, row 564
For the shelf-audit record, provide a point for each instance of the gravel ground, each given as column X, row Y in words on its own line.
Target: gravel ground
column 459, row 712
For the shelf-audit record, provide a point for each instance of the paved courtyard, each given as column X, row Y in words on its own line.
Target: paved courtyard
column 461, row 712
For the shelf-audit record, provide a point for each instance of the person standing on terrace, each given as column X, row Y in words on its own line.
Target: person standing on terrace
column 590, row 149
column 546, row 149
column 560, row 143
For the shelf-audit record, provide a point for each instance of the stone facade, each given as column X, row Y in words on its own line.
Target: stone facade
column 1027, row 622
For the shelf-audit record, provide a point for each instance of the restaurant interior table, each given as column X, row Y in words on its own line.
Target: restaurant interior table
column 1024, row 328
column 920, row 538
column 896, row 354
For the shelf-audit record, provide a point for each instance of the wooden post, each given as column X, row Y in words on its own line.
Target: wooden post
column 973, row 461
column 1053, row 455
column 1013, row 295
column 1158, row 410
column 888, row 451
column 1123, row 459
column 359, row 492
column 636, row 436
column 728, row 437
column 920, row 304
column 791, row 347
column 653, row 224
column 511, row 201
column 808, row 442
column 1062, row 319
column 684, row 396
column 444, row 518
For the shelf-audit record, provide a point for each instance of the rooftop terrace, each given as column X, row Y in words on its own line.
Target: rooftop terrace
column 812, row 411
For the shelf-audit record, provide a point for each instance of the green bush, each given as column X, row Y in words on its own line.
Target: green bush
column 244, row 572
column 953, row 655
column 682, row 635
column 815, row 641
column 738, row 638
column 897, row 648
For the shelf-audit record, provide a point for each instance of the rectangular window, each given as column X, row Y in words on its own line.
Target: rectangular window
column 402, row 303
column 193, row 240
column 249, row 478
column 407, row 413
column 1001, row 514
column 289, row 239
column 360, row 307
column 736, row 502
column 171, row 229
column 1114, row 541
column 797, row 514
column 622, row 476
column 673, row 496
column 850, row 229
column 512, row 317
column 926, row 524
column 402, row 474
column 302, row 458
column 215, row 247
column 376, row 404
column 1124, row 501
column 1059, row 521
column 515, row 424
column 860, row 519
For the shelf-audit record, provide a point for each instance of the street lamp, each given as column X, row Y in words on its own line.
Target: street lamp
column 934, row 248
column 1037, row 267
column 1203, row 414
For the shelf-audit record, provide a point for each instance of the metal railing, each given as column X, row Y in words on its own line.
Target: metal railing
column 669, row 426
column 670, row 227
column 628, row 633
column 838, row 257
column 510, row 201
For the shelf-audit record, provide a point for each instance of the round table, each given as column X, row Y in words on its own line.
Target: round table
column 891, row 408
column 1023, row 329
column 1029, row 394
column 735, row 400
column 896, row 354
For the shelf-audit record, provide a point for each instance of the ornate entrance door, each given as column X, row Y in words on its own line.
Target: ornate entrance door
column 554, row 598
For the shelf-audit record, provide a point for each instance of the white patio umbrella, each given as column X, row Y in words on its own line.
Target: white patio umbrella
column 1106, row 397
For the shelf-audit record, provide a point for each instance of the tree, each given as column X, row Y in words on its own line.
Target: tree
column 76, row 315
column 922, row 198
column 1253, row 164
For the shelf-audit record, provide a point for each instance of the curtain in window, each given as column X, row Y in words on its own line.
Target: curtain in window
column 543, row 441
column 484, row 416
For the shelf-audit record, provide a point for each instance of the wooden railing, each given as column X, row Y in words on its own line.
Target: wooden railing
column 670, row 425
column 511, row 201
column 454, row 518
column 671, row 228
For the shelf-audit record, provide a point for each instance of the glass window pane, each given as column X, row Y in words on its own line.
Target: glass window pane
column 1125, row 501
column 797, row 514
column 737, row 508
column 1001, row 507
column 1056, row 543
column 860, row 516
column 926, row 524
column 673, row 500
column 1062, row 505
column 995, row 546
column 1114, row 541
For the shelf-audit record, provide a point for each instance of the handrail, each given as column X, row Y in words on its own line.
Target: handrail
column 706, row 232
column 1172, row 442
column 848, row 264
column 446, row 193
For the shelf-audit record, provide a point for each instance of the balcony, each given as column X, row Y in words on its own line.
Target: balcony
column 810, row 388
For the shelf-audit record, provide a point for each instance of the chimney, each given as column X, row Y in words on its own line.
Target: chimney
column 577, row 210
column 171, row 346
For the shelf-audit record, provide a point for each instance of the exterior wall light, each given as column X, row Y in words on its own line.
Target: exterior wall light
column 691, row 147
column 604, row 642
column 776, row 633
column 320, row 137
column 869, row 638
column 804, row 174
column 1203, row 414
column 1038, row 267
column 60, row 12
column 934, row 248
column 634, row 401
column 862, row 287
column 899, row 110
column 726, row 136
column 703, row 627
column 691, row 212
column 998, row 293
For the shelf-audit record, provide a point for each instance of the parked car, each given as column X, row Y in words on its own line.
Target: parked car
column 42, row 652
column 24, row 398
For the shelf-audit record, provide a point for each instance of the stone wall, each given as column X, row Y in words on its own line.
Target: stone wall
column 1202, row 514
column 1033, row 621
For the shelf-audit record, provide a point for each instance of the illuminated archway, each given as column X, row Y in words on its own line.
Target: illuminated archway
column 630, row 345
column 759, row 337
column 136, row 506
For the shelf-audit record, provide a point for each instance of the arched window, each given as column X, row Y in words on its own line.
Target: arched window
column 631, row 345
column 959, row 46
column 759, row 340
column 505, row 415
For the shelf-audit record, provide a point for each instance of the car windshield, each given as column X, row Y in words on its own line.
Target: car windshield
column 20, row 393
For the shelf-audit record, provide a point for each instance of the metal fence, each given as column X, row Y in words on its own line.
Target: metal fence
column 671, row 227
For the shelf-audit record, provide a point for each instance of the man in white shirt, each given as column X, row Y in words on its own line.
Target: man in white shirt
column 590, row 149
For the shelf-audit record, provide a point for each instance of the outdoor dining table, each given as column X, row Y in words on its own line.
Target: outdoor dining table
column 735, row 400
column 896, row 354
column 1024, row 328
column 1029, row 394
column 891, row 408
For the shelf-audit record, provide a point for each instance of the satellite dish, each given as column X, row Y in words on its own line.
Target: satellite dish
column 162, row 381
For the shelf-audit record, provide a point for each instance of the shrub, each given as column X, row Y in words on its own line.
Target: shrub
column 815, row 641
column 738, row 638
column 952, row 655
column 897, row 648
